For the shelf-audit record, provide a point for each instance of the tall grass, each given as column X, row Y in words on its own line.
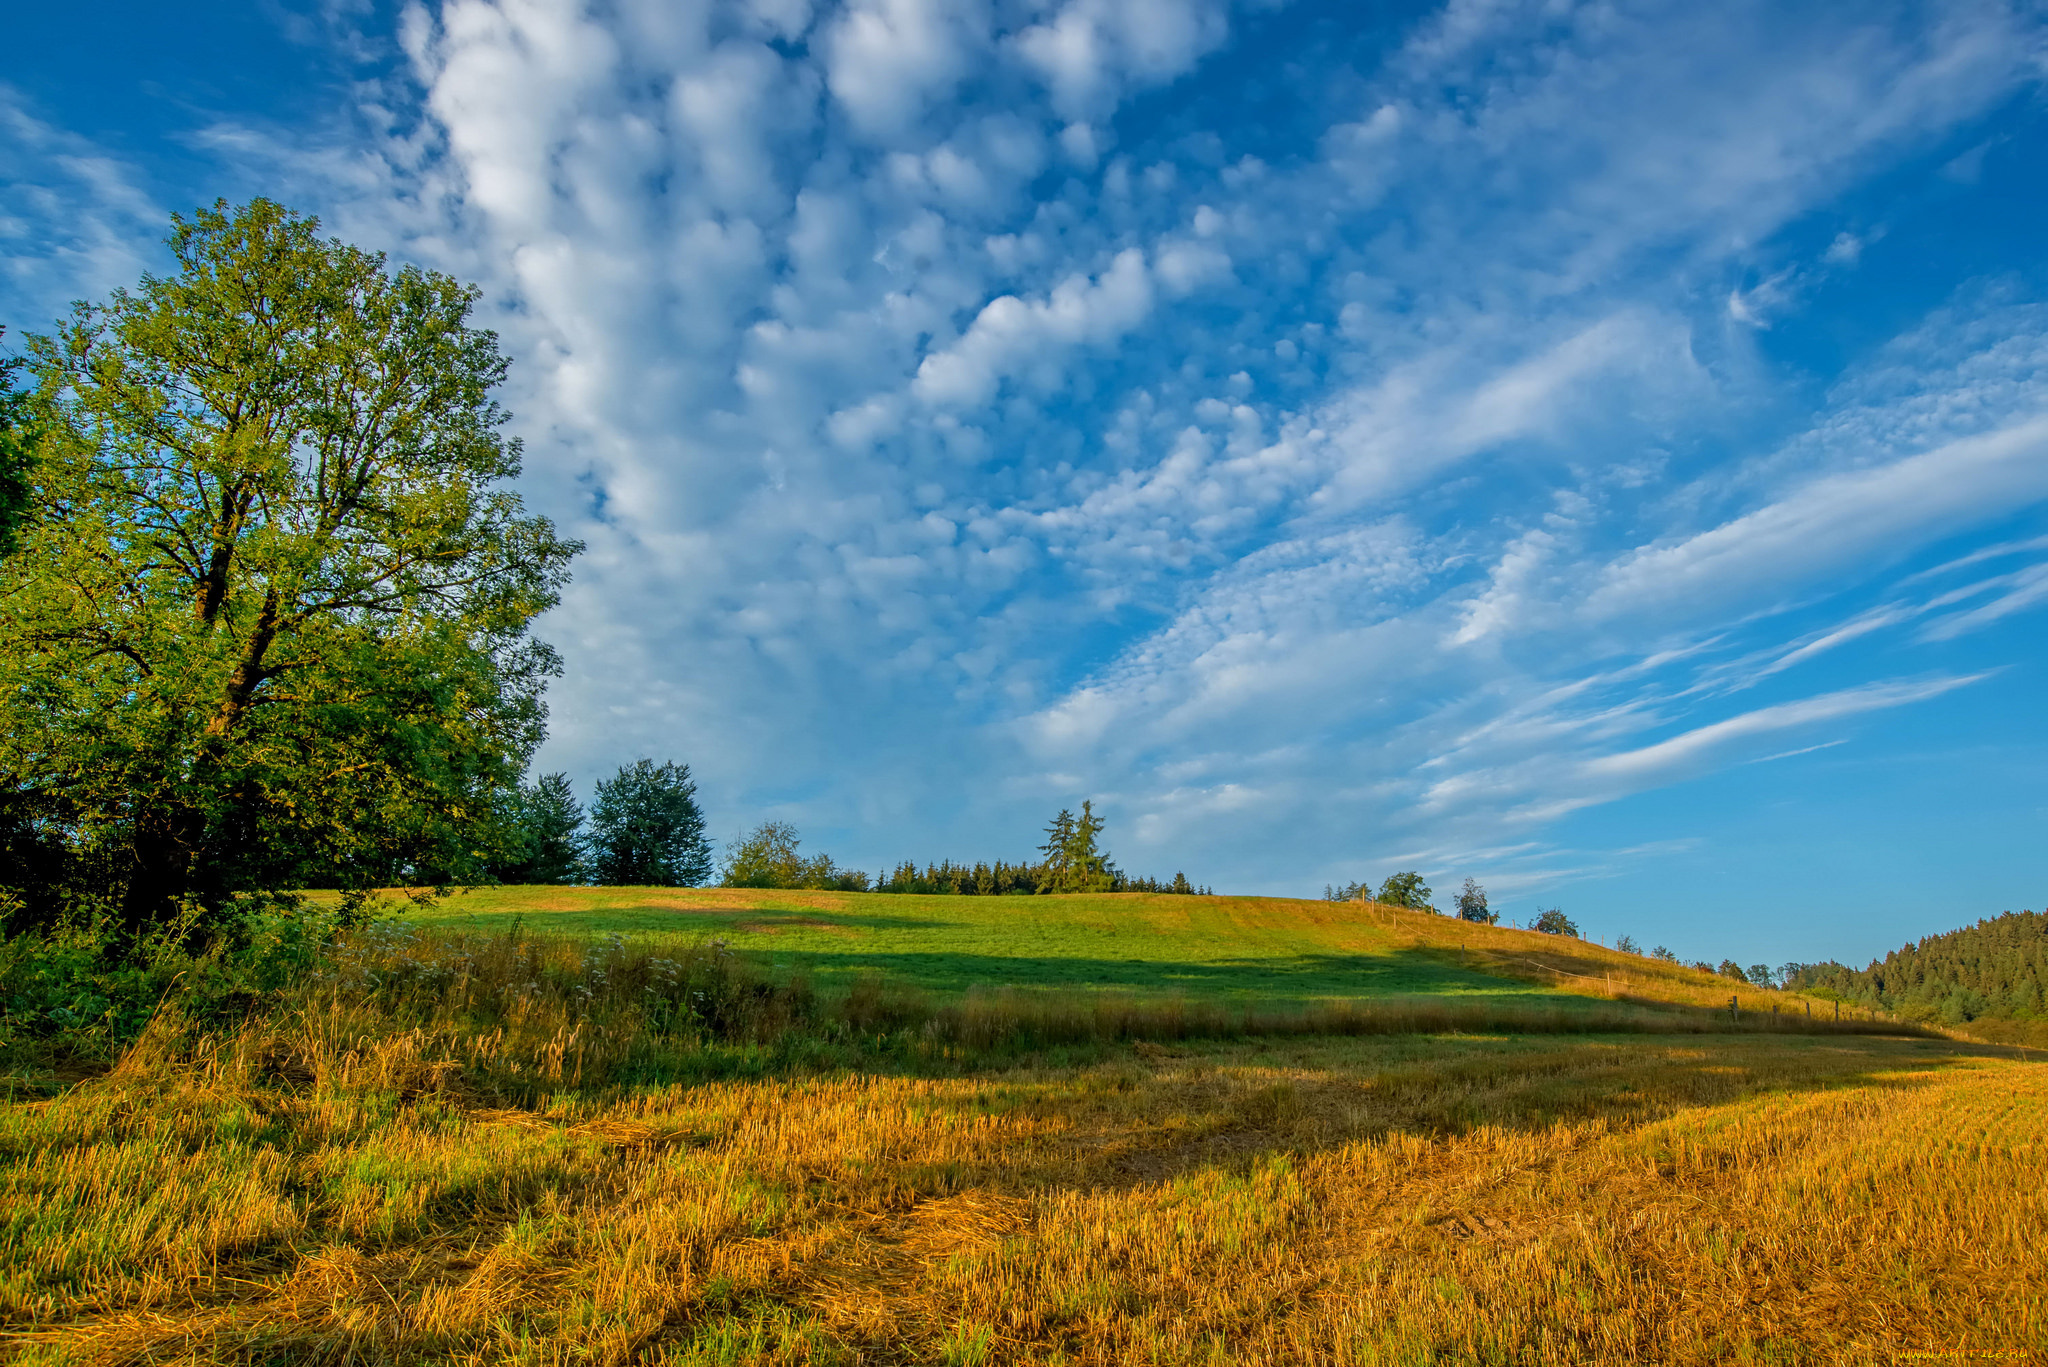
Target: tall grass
column 527, row 1013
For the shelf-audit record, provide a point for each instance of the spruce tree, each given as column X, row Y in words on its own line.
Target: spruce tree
column 1059, row 841
column 548, row 821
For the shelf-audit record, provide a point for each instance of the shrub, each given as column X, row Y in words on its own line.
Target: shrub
column 1554, row 922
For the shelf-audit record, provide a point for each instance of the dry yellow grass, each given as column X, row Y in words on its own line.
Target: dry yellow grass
column 1708, row 1199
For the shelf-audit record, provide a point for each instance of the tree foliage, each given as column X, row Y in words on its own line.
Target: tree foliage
column 646, row 829
column 19, row 437
column 1406, row 890
column 1472, row 904
column 1554, row 922
column 1074, row 858
column 768, row 857
column 268, row 622
column 1070, row 860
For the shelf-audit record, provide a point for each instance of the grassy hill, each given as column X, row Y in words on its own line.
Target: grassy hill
column 1267, row 950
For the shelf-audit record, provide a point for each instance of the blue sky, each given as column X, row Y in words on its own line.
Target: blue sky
column 1600, row 449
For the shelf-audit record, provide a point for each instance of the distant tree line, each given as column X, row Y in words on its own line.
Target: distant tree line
column 647, row 829
column 1996, row 969
column 644, row 829
column 1407, row 889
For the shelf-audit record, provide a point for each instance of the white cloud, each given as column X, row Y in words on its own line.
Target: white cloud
column 75, row 221
column 891, row 58
column 1702, row 745
column 1011, row 334
column 1091, row 51
column 1833, row 520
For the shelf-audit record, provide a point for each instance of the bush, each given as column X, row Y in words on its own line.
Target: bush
column 1554, row 922
column 84, row 987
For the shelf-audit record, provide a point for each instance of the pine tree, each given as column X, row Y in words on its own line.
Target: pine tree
column 1059, row 842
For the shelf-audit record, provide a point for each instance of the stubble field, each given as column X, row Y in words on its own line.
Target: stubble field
column 477, row 1170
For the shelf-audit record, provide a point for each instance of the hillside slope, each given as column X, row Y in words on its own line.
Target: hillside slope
column 1266, row 949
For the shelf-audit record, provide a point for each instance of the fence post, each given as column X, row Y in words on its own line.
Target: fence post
column 1731, row 1010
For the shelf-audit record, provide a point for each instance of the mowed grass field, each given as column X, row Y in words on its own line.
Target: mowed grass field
column 1391, row 1200
column 475, row 1140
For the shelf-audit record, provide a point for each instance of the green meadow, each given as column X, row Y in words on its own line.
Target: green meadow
column 1271, row 951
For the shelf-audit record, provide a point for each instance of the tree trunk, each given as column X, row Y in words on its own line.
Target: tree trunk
column 163, row 847
column 248, row 675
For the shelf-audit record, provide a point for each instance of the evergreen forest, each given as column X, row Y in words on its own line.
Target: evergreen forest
column 1996, row 969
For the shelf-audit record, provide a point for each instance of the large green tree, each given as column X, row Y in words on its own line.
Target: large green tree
column 269, row 618
column 1405, row 890
column 646, row 829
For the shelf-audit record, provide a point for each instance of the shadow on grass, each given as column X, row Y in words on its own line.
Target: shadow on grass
column 1300, row 978
column 943, row 973
column 1234, row 1105
column 686, row 921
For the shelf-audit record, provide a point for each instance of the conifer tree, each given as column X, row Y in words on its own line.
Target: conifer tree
column 1087, row 865
column 1059, row 841
column 548, row 821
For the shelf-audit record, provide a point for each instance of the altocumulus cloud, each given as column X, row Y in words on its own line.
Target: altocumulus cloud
column 1325, row 447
